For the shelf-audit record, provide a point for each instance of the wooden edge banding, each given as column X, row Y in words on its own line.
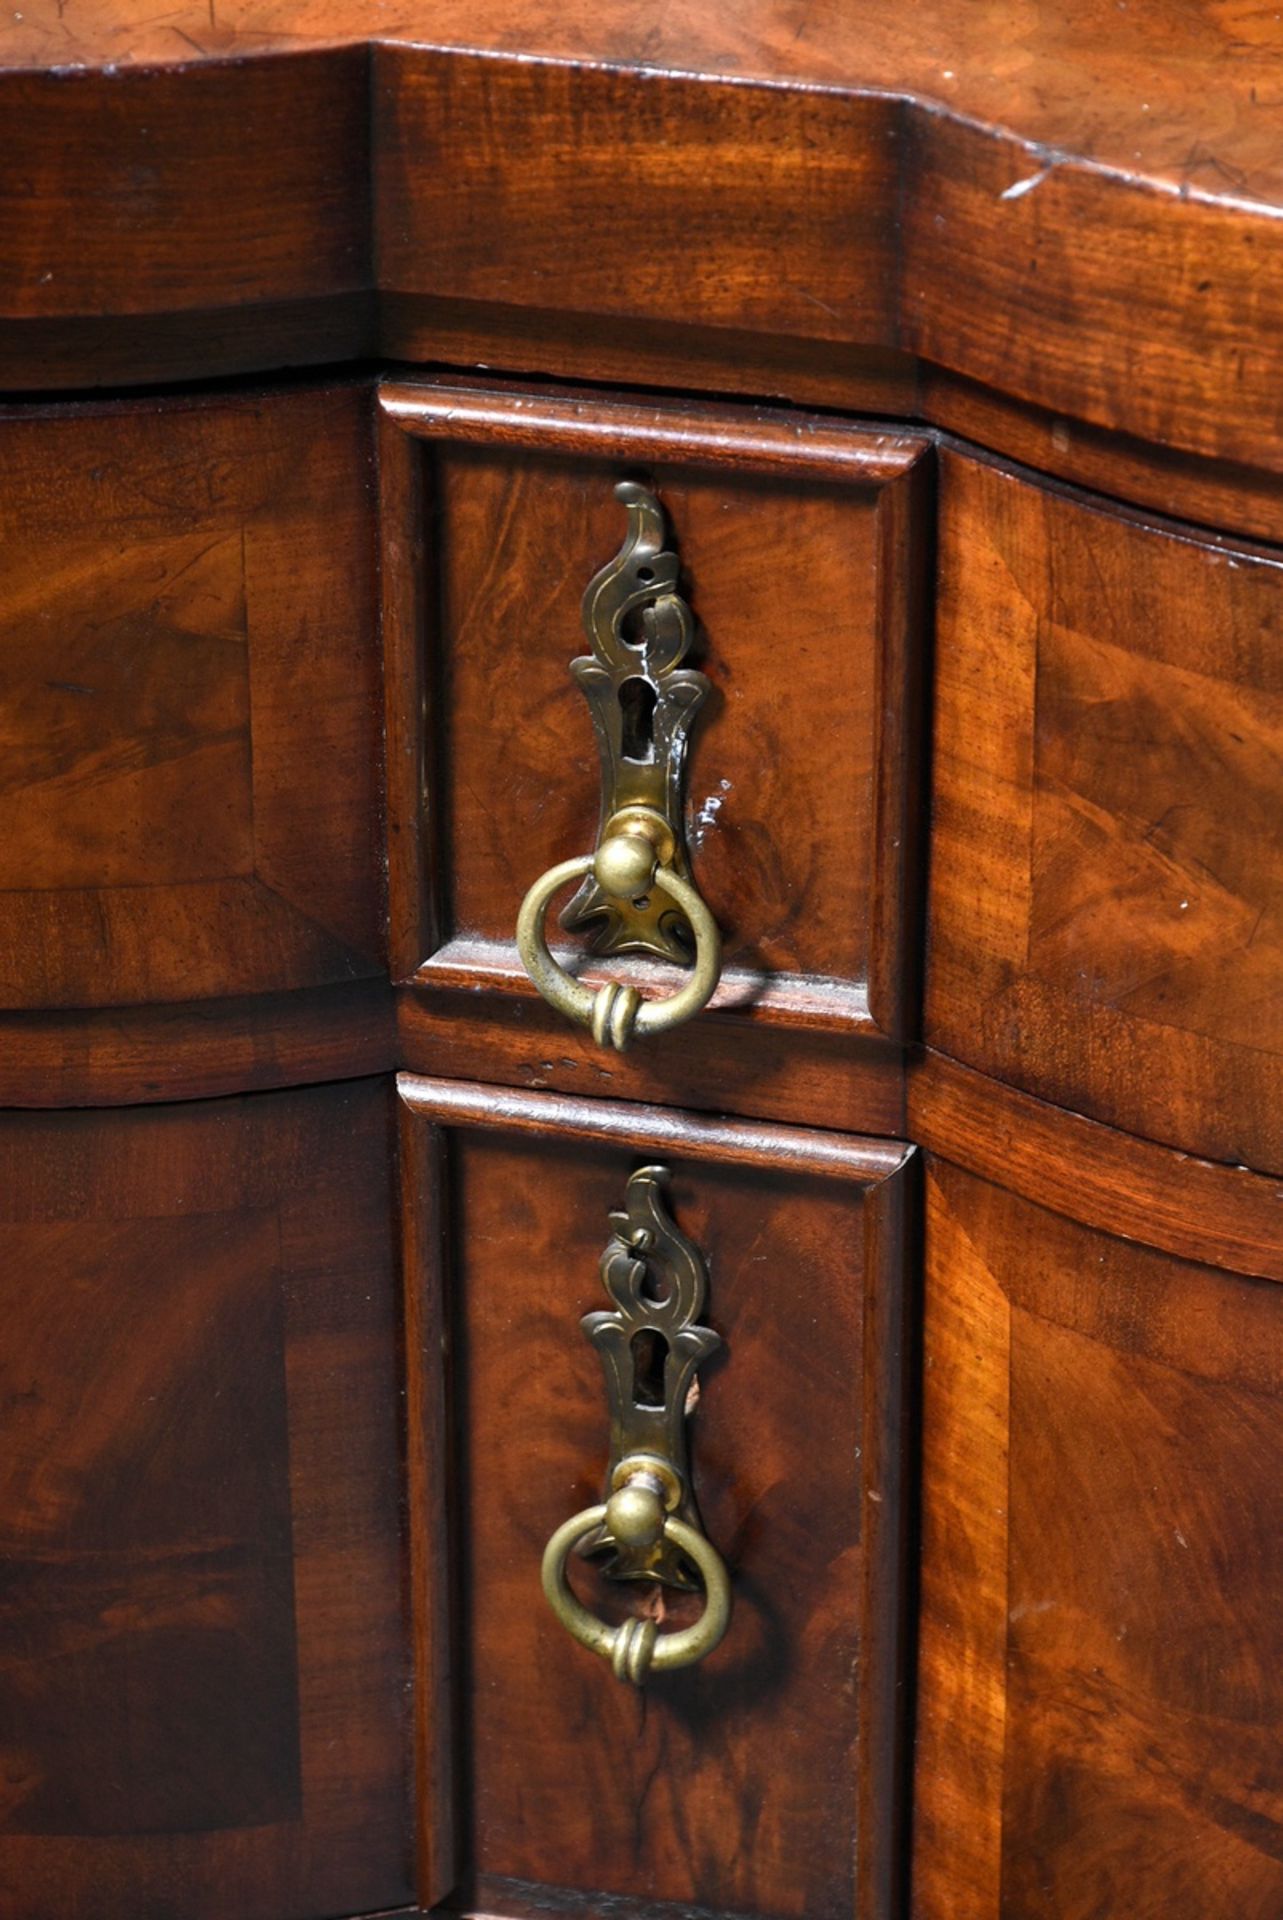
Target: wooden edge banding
column 1134, row 1189
column 750, row 439
column 783, row 1000
column 887, row 1439
column 892, row 992
column 492, row 1896
column 428, row 1601
column 964, row 1554
column 409, row 740
column 196, row 1050
column 783, row 1149
column 1221, row 496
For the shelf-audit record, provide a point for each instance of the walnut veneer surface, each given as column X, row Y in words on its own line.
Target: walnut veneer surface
column 948, row 337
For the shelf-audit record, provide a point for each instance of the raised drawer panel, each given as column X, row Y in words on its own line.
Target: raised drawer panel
column 1107, row 869
column 203, row 1688
column 189, row 691
column 763, row 1781
column 1101, row 1686
column 798, row 546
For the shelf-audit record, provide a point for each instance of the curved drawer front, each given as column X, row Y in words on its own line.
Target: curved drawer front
column 1100, row 1684
column 1106, row 912
column 188, row 677
column 202, row 1695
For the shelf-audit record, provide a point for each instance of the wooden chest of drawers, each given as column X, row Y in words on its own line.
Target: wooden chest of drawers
column 884, row 423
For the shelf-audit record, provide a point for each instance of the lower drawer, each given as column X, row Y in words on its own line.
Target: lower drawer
column 763, row 1780
column 203, row 1673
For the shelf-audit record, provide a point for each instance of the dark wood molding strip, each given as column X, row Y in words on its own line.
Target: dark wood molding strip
column 889, row 197
column 451, row 1103
column 199, row 1050
column 749, row 439
column 1135, row 1189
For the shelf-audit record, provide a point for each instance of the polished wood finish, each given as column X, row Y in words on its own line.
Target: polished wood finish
column 292, row 1388
column 806, row 591
column 191, row 767
column 803, row 253
column 202, row 1694
column 758, row 1782
column 1104, row 928
column 713, row 1066
column 426, row 1278
column 195, row 1050
column 883, row 184
column 1133, row 1189
column 458, row 1103
column 1099, row 1681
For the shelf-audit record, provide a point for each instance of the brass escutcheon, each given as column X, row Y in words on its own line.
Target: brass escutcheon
column 647, row 1527
column 635, row 892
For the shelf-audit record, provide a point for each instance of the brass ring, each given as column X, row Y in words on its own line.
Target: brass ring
column 616, row 1013
column 637, row 1648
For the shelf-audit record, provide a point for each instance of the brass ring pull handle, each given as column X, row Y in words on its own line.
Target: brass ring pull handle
column 616, row 1013
column 647, row 1527
column 635, row 1517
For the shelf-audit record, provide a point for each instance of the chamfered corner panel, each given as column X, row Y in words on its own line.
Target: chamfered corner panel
column 189, row 683
column 764, row 1780
column 1104, row 921
column 202, row 1689
column 1101, row 1653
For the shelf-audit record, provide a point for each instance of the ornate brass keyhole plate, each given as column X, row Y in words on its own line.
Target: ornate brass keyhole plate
column 647, row 1526
column 642, row 702
column 635, row 891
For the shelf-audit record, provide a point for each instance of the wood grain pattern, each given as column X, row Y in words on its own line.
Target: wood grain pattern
column 426, row 1230
column 726, row 1142
column 201, row 1695
column 191, row 766
column 1134, row 1189
column 715, row 1065
column 733, row 1787
column 1058, row 161
column 422, row 330
column 196, row 1050
column 1225, row 496
column 801, row 855
column 1109, row 719
column 1089, row 57
column 1099, row 1677
column 800, row 187
column 144, row 223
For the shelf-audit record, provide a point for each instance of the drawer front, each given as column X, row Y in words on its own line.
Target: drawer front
column 796, row 544
column 764, row 1779
column 1107, row 866
column 202, row 1690
column 1101, row 1687
column 189, row 683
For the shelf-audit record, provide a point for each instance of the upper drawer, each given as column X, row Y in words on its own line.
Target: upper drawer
column 188, row 683
column 796, row 544
column 1107, row 863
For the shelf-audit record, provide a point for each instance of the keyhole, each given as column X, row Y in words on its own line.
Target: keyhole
column 637, row 708
column 650, row 1358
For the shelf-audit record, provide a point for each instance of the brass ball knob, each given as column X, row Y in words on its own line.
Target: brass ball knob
column 624, row 865
column 635, row 1515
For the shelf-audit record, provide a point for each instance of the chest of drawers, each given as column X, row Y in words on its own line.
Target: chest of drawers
column 884, row 422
